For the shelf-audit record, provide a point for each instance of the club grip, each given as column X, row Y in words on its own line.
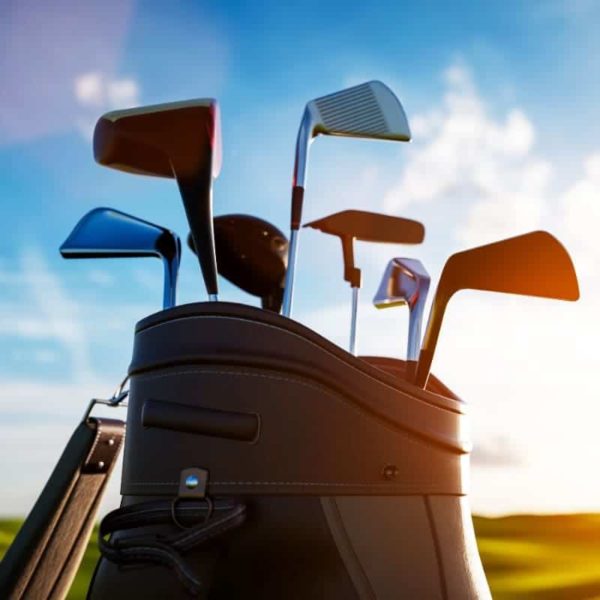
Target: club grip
column 297, row 200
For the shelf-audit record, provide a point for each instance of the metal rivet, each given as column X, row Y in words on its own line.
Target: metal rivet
column 390, row 472
column 191, row 481
column 111, row 442
column 101, row 464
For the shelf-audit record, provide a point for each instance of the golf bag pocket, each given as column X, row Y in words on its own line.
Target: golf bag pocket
column 339, row 467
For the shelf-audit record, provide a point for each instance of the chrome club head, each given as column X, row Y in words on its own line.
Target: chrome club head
column 180, row 140
column 109, row 233
column 533, row 264
column 371, row 111
column 252, row 255
column 350, row 225
column 405, row 281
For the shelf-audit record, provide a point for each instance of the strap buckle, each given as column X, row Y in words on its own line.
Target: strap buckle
column 117, row 399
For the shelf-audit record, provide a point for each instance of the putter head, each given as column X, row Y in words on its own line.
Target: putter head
column 369, row 110
column 365, row 226
column 109, row 233
column 252, row 255
column 534, row 264
column 371, row 227
column 180, row 140
column 404, row 281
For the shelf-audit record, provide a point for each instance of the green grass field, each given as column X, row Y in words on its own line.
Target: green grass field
column 533, row 557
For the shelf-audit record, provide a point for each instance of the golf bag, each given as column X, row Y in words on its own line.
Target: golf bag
column 262, row 461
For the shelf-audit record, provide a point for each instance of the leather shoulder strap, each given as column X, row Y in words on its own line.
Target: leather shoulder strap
column 45, row 554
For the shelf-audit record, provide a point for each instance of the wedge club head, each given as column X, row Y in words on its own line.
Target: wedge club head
column 371, row 111
column 180, row 140
column 533, row 264
column 109, row 233
column 406, row 282
column 252, row 254
column 350, row 225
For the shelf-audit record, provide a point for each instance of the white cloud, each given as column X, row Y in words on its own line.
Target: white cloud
column 89, row 89
column 45, row 311
column 96, row 90
column 96, row 93
column 463, row 156
column 581, row 206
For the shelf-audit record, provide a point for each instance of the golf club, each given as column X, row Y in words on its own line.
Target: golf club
column 533, row 264
column 252, row 254
column 370, row 110
column 349, row 225
column 406, row 281
column 109, row 233
column 180, row 140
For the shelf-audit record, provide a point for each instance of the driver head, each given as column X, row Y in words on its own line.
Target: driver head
column 181, row 140
column 252, row 255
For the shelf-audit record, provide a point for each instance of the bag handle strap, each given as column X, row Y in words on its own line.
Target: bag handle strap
column 46, row 553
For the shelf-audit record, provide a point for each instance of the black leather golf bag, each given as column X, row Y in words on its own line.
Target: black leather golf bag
column 262, row 461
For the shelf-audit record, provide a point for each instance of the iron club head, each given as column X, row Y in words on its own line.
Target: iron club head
column 109, row 233
column 180, row 140
column 369, row 110
column 533, row 264
column 252, row 254
column 406, row 281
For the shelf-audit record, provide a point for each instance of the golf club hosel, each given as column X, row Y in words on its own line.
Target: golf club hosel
column 170, row 247
column 414, row 329
column 289, row 274
column 197, row 200
column 432, row 333
column 303, row 141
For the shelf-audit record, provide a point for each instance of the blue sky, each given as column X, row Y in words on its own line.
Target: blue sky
column 503, row 102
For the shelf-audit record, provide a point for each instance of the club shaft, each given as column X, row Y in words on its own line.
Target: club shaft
column 432, row 332
column 289, row 275
column 353, row 316
column 170, row 283
column 414, row 330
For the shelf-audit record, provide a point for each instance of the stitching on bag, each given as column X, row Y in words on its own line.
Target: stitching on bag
column 99, row 433
column 338, row 397
column 428, row 403
column 294, row 334
column 287, row 483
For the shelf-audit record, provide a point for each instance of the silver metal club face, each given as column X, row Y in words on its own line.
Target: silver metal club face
column 405, row 281
column 370, row 111
column 109, row 233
